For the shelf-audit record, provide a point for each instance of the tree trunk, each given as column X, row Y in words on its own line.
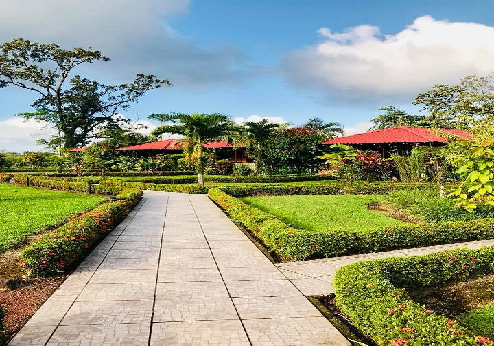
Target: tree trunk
column 200, row 165
column 200, row 178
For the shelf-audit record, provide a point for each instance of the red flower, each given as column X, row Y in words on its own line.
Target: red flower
column 407, row 330
column 427, row 311
column 314, row 245
column 464, row 266
column 398, row 342
column 483, row 340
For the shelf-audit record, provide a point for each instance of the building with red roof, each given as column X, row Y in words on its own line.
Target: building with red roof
column 222, row 149
column 398, row 139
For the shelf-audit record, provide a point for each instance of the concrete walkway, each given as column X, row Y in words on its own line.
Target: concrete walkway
column 316, row 277
column 177, row 271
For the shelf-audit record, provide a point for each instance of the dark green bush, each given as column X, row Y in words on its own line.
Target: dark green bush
column 373, row 294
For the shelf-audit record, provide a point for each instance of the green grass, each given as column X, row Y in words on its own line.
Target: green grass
column 26, row 211
column 428, row 206
column 321, row 213
column 480, row 321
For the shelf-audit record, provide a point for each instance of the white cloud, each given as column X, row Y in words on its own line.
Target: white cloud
column 19, row 135
column 257, row 118
column 361, row 65
column 359, row 127
column 135, row 34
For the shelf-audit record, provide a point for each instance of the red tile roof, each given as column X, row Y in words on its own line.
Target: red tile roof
column 218, row 144
column 77, row 149
column 167, row 144
column 400, row 134
column 175, row 144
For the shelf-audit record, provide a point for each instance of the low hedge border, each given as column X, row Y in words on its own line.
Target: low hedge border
column 373, row 294
column 290, row 243
column 59, row 250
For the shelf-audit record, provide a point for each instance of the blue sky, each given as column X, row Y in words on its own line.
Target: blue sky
column 337, row 60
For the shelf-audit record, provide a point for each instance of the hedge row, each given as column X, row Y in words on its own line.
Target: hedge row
column 112, row 174
column 61, row 249
column 297, row 244
column 230, row 179
column 373, row 294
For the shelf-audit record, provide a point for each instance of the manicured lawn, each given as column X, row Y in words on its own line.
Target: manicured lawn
column 480, row 321
column 320, row 213
column 25, row 211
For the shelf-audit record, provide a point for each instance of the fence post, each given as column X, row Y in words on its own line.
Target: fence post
column 89, row 187
column 27, row 181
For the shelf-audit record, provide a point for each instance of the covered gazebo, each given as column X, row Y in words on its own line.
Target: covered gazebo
column 400, row 139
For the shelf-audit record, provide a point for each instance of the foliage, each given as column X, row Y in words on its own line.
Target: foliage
column 364, row 165
column 221, row 167
column 76, row 110
column 459, row 106
column 326, row 130
column 198, row 129
column 373, row 294
column 255, row 135
column 62, row 248
column 429, row 207
column 412, row 168
column 475, row 160
column 394, row 116
column 26, row 211
column 242, row 170
column 479, row 321
column 298, row 244
column 293, row 150
column 320, row 213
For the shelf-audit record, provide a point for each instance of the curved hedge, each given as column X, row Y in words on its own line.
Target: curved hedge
column 291, row 243
column 373, row 294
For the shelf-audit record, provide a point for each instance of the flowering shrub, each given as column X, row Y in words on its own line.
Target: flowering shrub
column 297, row 244
column 59, row 250
column 367, row 165
column 373, row 294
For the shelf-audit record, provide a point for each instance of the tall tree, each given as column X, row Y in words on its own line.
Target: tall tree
column 394, row 116
column 255, row 135
column 75, row 106
column 463, row 106
column 326, row 129
column 198, row 129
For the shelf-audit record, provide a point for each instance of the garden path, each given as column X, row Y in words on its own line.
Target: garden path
column 177, row 271
column 315, row 277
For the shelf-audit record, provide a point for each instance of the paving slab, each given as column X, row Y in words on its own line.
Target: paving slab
column 177, row 271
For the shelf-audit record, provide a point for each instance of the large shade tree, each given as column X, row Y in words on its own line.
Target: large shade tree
column 75, row 106
column 197, row 128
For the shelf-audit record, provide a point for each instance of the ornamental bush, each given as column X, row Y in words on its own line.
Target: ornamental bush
column 373, row 294
column 61, row 249
column 291, row 243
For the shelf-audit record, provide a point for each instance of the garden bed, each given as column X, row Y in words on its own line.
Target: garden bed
column 290, row 242
column 375, row 296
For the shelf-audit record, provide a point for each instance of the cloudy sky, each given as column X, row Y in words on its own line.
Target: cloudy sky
column 286, row 60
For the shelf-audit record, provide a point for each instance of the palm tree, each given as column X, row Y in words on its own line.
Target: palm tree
column 256, row 134
column 328, row 130
column 198, row 129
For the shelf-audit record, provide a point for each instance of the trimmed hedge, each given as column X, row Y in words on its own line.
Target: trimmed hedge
column 111, row 174
column 373, row 294
column 61, row 249
column 297, row 244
